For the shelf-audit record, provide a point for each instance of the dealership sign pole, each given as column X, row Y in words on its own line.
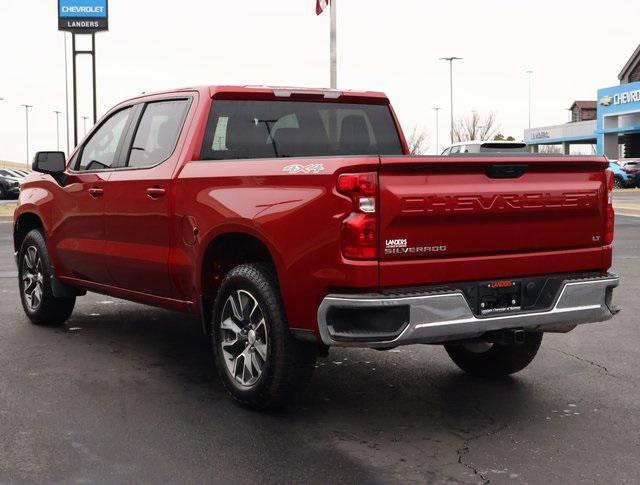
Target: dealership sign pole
column 83, row 17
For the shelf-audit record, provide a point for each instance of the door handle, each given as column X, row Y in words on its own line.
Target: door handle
column 96, row 192
column 155, row 192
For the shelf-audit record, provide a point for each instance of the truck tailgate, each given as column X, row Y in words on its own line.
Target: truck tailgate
column 470, row 211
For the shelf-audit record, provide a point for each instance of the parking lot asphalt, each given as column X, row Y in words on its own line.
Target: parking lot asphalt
column 127, row 394
column 627, row 202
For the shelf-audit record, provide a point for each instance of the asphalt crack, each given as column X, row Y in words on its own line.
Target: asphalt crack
column 466, row 445
column 582, row 359
column 463, row 451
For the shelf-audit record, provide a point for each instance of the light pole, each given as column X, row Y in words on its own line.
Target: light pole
column 57, row 127
column 66, row 90
column 84, row 123
column 437, row 109
column 450, row 61
column 26, row 114
column 333, row 46
column 529, row 72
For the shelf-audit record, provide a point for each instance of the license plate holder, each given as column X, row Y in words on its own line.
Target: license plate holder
column 498, row 297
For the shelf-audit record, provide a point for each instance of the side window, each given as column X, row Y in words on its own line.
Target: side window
column 157, row 132
column 99, row 153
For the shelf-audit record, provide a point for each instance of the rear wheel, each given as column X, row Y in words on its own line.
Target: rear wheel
column 258, row 360
column 486, row 359
column 34, row 279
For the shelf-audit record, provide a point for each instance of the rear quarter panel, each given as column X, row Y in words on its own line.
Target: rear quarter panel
column 298, row 216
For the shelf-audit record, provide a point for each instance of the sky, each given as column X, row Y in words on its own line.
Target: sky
column 574, row 47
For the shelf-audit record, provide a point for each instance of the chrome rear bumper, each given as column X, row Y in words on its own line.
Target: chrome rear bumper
column 446, row 316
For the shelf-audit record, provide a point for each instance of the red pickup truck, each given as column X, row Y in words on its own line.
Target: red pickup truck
column 292, row 220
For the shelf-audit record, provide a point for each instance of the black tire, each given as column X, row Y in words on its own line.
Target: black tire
column 497, row 360
column 47, row 309
column 1, row 193
column 288, row 364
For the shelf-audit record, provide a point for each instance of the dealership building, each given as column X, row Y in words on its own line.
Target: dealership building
column 611, row 123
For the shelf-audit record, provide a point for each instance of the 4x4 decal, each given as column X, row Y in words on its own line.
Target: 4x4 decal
column 297, row 168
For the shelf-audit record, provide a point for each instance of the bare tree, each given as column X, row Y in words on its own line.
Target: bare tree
column 500, row 137
column 550, row 149
column 475, row 127
column 418, row 141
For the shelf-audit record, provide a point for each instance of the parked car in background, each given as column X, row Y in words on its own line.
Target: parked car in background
column 624, row 161
column 12, row 172
column 622, row 178
column 478, row 146
column 9, row 184
column 632, row 168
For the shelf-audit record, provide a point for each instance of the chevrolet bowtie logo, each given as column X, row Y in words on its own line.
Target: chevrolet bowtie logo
column 606, row 100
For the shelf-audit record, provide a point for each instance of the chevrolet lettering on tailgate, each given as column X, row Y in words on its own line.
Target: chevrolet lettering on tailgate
column 500, row 202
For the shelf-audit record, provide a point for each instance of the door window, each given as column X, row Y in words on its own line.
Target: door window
column 157, row 133
column 100, row 152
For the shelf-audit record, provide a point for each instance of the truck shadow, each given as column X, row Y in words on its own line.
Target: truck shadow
column 412, row 380
column 392, row 409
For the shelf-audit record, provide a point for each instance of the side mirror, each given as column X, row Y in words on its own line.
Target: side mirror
column 49, row 162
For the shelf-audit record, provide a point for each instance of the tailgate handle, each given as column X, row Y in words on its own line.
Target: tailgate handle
column 506, row 171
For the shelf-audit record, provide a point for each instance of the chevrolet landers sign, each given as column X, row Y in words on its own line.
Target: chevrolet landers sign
column 627, row 97
column 83, row 16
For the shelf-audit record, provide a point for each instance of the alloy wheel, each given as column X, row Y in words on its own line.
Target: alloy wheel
column 32, row 278
column 244, row 341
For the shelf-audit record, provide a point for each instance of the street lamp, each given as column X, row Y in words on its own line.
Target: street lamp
column 57, row 127
column 84, row 123
column 450, row 61
column 437, row 109
column 529, row 72
column 26, row 114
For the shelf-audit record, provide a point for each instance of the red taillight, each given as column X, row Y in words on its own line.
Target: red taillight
column 360, row 228
column 610, row 215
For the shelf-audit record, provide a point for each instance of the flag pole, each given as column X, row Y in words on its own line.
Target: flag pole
column 334, row 57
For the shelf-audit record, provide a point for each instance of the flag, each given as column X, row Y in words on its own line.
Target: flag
column 321, row 5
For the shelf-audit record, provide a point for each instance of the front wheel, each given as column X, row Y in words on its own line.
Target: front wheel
column 258, row 360
column 485, row 359
column 34, row 279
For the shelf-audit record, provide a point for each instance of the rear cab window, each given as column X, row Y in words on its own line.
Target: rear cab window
column 250, row 129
